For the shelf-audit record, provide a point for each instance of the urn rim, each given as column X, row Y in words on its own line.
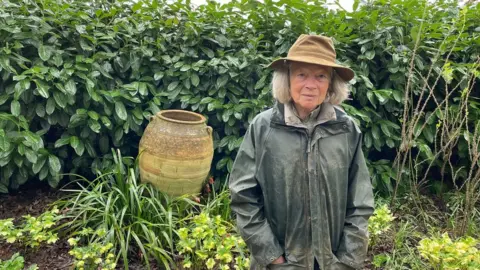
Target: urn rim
column 181, row 117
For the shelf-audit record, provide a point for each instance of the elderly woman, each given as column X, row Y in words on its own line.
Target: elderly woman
column 300, row 186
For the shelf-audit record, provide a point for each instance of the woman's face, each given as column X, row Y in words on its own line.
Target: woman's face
column 308, row 85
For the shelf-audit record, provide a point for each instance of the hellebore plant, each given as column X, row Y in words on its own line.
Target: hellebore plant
column 444, row 254
column 33, row 231
column 209, row 242
column 380, row 222
column 95, row 254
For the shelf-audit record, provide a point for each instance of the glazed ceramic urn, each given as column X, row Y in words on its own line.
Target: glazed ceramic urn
column 176, row 152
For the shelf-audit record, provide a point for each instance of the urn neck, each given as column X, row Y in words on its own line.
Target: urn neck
column 181, row 117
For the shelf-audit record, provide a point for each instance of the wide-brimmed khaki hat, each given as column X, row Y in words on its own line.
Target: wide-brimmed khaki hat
column 314, row 49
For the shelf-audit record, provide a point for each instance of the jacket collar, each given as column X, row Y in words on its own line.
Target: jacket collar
column 278, row 114
column 323, row 113
column 330, row 127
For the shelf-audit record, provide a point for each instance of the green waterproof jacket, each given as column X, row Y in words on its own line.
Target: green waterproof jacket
column 306, row 197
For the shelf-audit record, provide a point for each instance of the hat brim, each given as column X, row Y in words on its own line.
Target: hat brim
column 345, row 73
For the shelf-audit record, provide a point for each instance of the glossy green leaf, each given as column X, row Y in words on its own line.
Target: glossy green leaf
column 158, row 75
column 172, row 85
column 3, row 99
column 229, row 165
column 15, row 107
column 70, row 87
column 93, row 115
column 80, row 148
column 385, row 129
column 90, row 150
column 42, row 88
column 370, row 54
column 426, row 150
column 398, row 96
column 222, row 81
column 31, row 155
column 429, row 134
column 368, row 140
column 43, row 173
column 3, row 140
column 74, row 142
column 81, row 29
column 367, row 81
column 106, row 122
column 261, row 83
column 120, row 110
column 118, row 135
column 21, row 150
column 44, row 52
column 371, row 98
column 40, row 110
column 375, row 132
column 390, row 143
column 60, row 99
column 381, row 98
column 54, row 163
column 62, row 141
column 94, row 125
column 195, row 80
column 137, row 6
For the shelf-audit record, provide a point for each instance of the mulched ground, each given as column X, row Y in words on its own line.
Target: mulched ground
column 33, row 199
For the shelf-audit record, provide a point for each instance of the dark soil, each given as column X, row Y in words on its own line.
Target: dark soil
column 33, row 199
column 36, row 198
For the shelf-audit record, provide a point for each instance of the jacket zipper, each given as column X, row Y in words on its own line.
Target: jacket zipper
column 311, row 257
column 309, row 142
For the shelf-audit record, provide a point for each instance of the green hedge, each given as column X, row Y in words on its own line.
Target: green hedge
column 79, row 79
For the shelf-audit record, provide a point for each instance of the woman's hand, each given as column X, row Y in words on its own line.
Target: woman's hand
column 279, row 260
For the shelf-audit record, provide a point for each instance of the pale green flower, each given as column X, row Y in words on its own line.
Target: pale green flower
column 183, row 233
column 52, row 239
column 210, row 263
column 187, row 264
column 73, row 241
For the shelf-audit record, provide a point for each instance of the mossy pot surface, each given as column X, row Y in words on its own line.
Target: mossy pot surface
column 176, row 152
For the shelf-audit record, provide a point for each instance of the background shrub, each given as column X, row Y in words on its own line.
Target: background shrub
column 80, row 78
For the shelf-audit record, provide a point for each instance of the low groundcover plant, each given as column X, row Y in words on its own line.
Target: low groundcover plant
column 445, row 254
column 32, row 231
column 380, row 222
column 94, row 254
column 207, row 242
column 16, row 262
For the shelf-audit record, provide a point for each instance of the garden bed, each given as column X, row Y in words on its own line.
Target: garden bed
column 33, row 200
column 396, row 249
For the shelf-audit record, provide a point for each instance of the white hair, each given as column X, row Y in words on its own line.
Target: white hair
column 337, row 91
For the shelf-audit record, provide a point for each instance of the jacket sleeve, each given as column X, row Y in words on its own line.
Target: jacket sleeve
column 247, row 203
column 353, row 247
